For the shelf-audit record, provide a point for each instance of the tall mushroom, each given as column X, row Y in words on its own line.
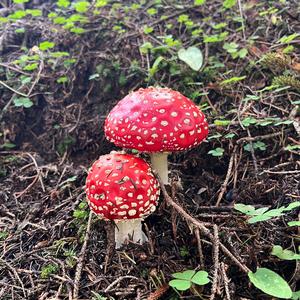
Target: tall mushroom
column 121, row 187
column 158, row 121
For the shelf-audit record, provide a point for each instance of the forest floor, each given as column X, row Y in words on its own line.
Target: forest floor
column 64, row 66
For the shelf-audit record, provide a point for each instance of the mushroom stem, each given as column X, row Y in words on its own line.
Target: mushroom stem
column 159, row 161
column 129, row 229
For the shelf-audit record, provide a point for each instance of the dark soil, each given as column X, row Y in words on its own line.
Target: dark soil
column 45, row 151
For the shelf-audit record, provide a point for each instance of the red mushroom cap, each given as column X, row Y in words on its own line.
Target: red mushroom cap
column 156, row 120
column 121, row 186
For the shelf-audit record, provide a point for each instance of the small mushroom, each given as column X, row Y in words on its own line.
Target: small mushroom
column 158, row 121
column 122, row 188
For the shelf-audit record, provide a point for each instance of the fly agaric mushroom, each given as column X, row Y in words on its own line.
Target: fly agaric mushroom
column 158, row 121
column 121, row 187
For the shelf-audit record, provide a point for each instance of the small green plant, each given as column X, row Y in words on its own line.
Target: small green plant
column 23, row 102
column 218, row 152
column 48, row 270
column 3, row 234
column 184, row 280
column 233, row 49
column 264, row 213
column 81, row 212
column 256, row 146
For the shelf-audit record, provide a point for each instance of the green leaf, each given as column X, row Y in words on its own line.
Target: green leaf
column 20, row 30
column 217, row 152
column 181, row 285
column 151, row 11
column 288, row 38
column 101, row 3
column 34, row 12
column 296, row 295
column 200, row 278
column 31, row 67
column 23, row 101
column 270, row 283
column 63, row 3
column 8, row 146
column 249, row 121
column 59, row 20
column 229, row 135
column 19, row 14
column 243, row 208
column 46, row 45
column 77, row 30
column 186, row 275
column 199, row 2
column 294, row 223
column 258, row 218
column 229, row 3
column 292, row 206
column 25, row 79
column 243, row 52
column 222, row 122
column 20, row 1
column 62, row 79
column 192, row 56
column 284, row 253
column 144, row 48
column 274, row 212
column 215, row 37
column 258, row 211
column 292, row 147
column 81, row 6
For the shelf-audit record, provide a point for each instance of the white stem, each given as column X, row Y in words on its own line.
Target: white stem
column 129, row 230
column 159, row 163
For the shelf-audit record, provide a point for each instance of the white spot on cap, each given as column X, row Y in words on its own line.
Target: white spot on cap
column 125, row 206
column 154, row 135
column 154, row 119
column 139, row 197
column 122, row 213
column 191, row 132
column 144, row 181
column 174, row 114
column 182, row 136
column 130, row 195
column 164, row 123
column 162, row 111
column 133, row 204
column 186, row 121
column 132, row 212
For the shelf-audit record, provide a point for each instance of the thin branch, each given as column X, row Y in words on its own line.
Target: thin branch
column 81, row 258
